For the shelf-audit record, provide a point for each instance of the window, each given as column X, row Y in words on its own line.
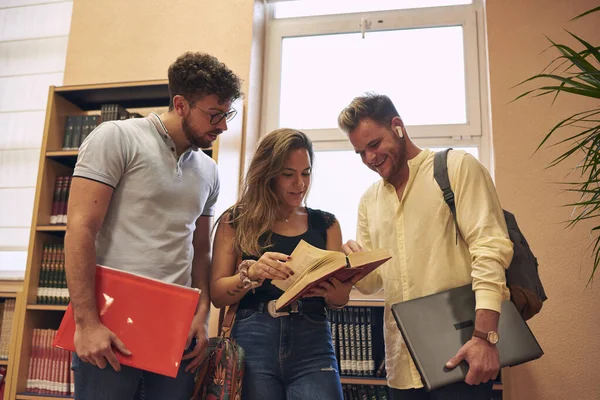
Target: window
column 305, row 8
column 428, row 57
column 33, row 47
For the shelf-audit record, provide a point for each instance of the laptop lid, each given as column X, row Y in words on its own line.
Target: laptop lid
column 435, row 327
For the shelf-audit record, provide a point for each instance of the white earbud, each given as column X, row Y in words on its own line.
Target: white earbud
column 400, row 133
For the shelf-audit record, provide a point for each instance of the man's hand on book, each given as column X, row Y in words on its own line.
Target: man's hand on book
column 351, row 247
column 94, row 344
column 199, row 330
column 270, row 266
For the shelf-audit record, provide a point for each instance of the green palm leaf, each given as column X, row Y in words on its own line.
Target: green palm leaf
column 575, row 73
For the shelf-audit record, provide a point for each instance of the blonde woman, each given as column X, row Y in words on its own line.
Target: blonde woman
column 289, row 356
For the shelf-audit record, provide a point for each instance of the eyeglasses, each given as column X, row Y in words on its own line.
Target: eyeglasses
column 216, row 117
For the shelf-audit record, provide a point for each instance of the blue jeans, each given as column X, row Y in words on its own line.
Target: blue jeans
column 93, row 383
column 289, row 357
column 457, row 391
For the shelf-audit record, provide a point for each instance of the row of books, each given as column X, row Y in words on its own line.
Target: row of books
column 7, row 313
column 357, row 337
column 78, row 127
column 364, row 392
column 60, row 200
column 52, row 287
column 49, row 368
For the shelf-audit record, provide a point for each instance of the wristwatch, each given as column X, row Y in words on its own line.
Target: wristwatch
column 492, row 337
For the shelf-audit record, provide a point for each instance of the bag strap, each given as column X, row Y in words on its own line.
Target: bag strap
column 440, row 173
column 226, row 320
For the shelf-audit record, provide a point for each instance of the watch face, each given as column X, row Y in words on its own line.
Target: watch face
column 493, row 337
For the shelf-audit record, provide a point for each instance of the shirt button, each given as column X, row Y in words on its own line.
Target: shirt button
column 172, row 148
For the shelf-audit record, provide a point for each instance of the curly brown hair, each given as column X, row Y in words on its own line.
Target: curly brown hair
column 195, row 75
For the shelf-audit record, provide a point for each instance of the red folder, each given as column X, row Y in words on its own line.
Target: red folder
column 152, row 318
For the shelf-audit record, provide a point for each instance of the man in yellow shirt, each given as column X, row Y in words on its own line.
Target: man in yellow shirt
column 405, row 212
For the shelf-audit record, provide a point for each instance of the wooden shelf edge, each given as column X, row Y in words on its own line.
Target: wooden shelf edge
column 8, row 295
column 62, row 153
column 356, row 380
column 51, row 228
column 22, row 396
column 111, row 85
column 498, row 386
column 366, row 303
column 3, row 362
column 46, row 307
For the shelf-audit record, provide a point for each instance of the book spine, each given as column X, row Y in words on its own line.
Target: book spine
column 56, row 200
column 351, row 331
column 359, row 342
column 333, row 327
column 364, row 342
column 370, row 358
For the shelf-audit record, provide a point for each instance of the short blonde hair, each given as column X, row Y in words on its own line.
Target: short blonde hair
column 376, row 107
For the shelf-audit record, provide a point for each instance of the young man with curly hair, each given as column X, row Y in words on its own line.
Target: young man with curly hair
column 142, row 200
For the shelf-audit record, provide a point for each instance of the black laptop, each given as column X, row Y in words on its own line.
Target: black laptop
column 435, row 327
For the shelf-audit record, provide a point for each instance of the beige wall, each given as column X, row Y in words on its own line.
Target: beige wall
column 567, row 325
column 116, row 41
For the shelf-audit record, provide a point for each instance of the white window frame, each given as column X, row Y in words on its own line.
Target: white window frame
column 476, row 131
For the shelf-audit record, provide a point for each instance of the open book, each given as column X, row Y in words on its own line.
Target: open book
column 313, row 266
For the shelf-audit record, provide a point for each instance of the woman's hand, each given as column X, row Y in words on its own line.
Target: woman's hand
column 270, row 265
column 336, row 293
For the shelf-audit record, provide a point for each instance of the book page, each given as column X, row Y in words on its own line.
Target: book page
column 305, row 257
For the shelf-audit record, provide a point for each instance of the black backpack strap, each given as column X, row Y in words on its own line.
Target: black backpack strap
column 440, row 173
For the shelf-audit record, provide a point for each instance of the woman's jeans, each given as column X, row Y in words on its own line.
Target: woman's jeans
column 289, row 357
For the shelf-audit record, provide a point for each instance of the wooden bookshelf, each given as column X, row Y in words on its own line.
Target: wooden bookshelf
column 46, row 307
column 142, row 97
column 41, row 397
column 356, row 380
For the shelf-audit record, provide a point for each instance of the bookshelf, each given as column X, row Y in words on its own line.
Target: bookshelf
column 84, row 100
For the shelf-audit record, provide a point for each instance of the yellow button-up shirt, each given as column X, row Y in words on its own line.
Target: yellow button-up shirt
column 419, row 231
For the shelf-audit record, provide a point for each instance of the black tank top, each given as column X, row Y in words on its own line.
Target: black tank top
column 316, row 234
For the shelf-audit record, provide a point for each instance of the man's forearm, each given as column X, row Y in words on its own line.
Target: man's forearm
column 486, row 320
column 80, row 267
column 200, row 280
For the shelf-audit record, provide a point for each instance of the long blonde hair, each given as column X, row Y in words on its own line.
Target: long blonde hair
column 256, row 210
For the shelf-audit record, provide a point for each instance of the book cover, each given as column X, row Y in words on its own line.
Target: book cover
column 313, row 266
column 152, row 318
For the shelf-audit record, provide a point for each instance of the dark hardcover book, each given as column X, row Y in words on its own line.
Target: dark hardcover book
column 341, row 342
column 352, row 340
column 363, row 335
column 62, row 201
column 77, row 129
column 68, row 132
column 333, row 326
column 369, row 327
column 363, row 392
column 43, row 274
column 372, row 392
column 358, row 340
column 58, row 183
column 382, row 392
column 89, row 124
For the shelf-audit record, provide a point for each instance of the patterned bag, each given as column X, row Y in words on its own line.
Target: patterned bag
column 221, row 374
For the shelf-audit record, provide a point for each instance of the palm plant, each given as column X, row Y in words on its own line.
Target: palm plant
column 577, row 73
